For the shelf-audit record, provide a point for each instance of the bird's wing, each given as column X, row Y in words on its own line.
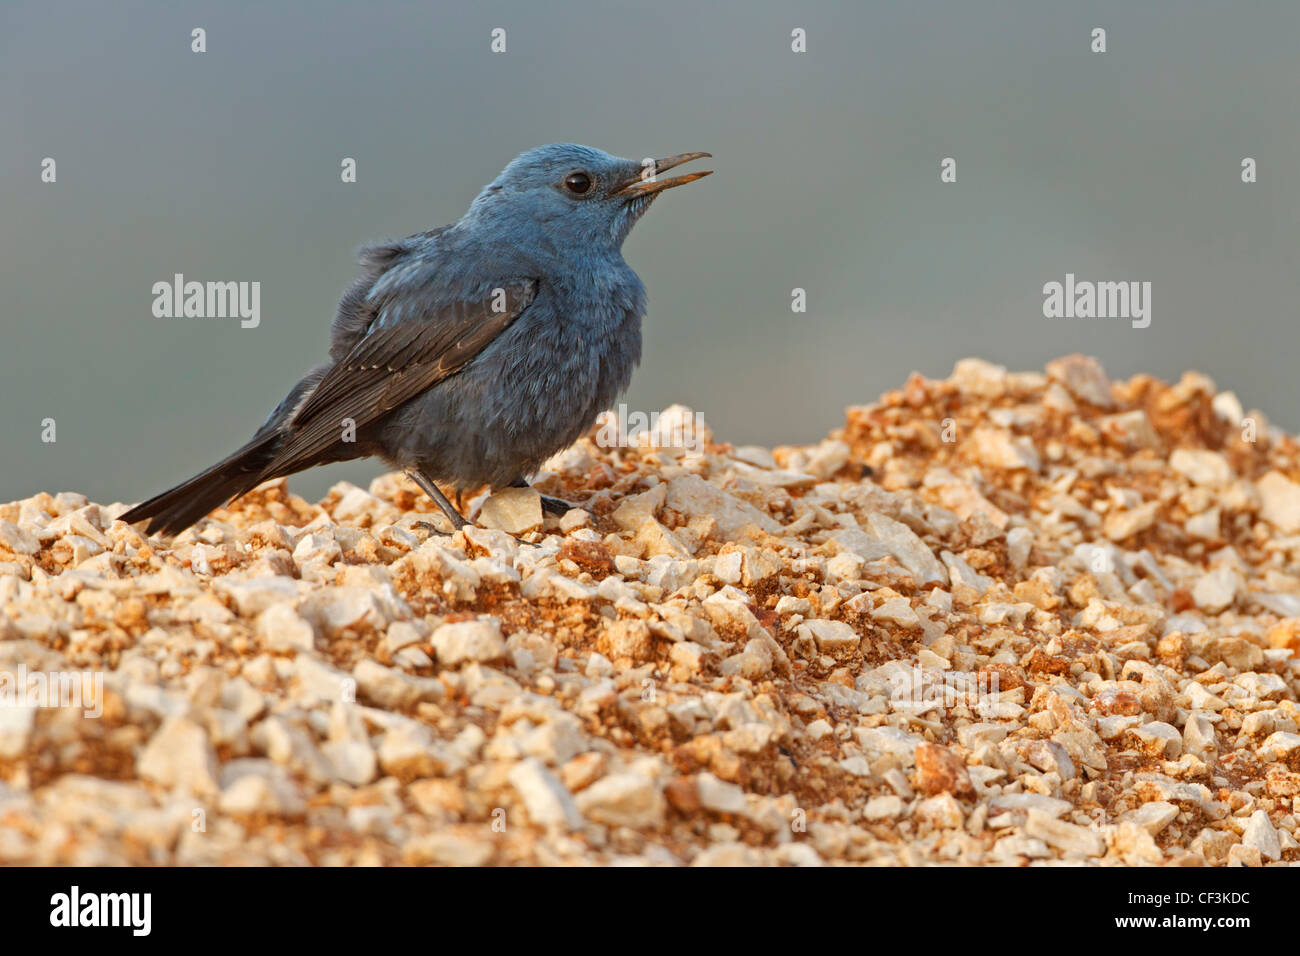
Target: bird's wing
column 395, row 362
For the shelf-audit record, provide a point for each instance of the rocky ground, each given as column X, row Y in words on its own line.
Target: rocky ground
column 997, row 619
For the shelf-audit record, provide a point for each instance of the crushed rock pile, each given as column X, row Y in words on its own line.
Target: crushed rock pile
column 1002, row 618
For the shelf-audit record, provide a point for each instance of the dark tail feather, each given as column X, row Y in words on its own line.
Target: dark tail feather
column 177, row 508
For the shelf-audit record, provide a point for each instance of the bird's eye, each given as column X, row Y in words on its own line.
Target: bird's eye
column 577, row 183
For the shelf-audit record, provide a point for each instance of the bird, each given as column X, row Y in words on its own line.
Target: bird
column 469, row 354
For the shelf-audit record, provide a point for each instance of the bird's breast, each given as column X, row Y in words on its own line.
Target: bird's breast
column 531, row 393
column 569, row 365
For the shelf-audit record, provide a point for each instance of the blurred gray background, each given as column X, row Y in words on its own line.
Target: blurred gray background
column 225, row 166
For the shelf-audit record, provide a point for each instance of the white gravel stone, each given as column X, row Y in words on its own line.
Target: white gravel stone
column 719, row 795
column 1201, row 467
column 1069, row 838
column 179, row 754
column 896, row 611
column 448, row 849
column 547, row 801
column 1019, row 543
column 18, row 540
column 401, row 634
column 392, row 689
column 478, row 640
column 882, row 808
column 1084, row 377
column 1217, row 589
column 252, row 596
column 513, row 510
column 1280, row 502
column 1000, row 449
column 832, row 637
column 909, row 550
column 975, row 736
column 1198, row 735
column 623, row 800
column 1160, row 740
column 692, row 495
column 1279, row 746
column 16, row 724
column 336, row 610
column 250, row 786
column 1154, row 817
column 318, row 682
column 941, row 811
column 351, row 761
column 1030, row 801
column 1261, row 835
column 408, row 750
column 283, row 629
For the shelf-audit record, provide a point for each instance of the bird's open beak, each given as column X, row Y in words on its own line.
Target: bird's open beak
column 643, row 185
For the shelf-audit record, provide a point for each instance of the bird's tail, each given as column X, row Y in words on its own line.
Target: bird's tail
column 177, row 508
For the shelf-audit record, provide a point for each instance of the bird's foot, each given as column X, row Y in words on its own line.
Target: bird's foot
column 434, row 529
column 556, row 506
column 552, row 506
column 449, row 512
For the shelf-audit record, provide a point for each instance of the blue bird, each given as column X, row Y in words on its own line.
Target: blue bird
column 468, row 354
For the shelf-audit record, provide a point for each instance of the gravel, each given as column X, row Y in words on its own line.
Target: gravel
column 998, row 619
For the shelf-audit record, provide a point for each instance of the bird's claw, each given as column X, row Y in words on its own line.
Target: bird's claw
column 434, row 529
column 556, row 506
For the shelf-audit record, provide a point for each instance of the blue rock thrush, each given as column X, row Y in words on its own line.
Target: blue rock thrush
column 468, row 354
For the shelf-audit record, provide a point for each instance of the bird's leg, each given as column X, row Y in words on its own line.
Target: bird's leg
column 424, row 481
column 552, row 506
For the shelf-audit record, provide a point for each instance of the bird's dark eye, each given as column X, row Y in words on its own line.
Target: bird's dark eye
column 577, row 183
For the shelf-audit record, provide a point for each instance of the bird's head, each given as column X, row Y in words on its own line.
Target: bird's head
column 576, row 194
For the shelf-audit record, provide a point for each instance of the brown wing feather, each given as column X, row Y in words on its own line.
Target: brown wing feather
column 391, row 366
